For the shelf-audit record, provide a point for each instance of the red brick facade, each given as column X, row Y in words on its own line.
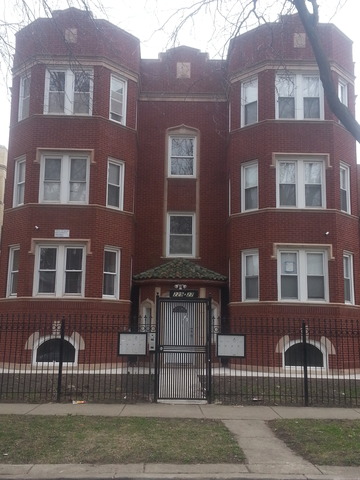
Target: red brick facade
column 183, row 94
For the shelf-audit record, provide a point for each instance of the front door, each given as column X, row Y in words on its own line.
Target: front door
column 183, row 349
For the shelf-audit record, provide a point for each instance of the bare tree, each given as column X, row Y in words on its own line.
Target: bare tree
column 240, row 15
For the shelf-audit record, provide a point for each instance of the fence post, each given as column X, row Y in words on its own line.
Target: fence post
column 305, row 365
column 208, row 351
column 61, row 359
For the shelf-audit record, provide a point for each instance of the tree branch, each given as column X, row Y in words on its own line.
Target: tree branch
column 310, row 22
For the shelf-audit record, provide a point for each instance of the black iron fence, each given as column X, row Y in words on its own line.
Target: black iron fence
column 253, row 361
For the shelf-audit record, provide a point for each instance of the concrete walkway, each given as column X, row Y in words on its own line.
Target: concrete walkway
column 267, row 457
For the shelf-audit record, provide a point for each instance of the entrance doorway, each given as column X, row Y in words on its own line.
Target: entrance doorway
column 183, row 349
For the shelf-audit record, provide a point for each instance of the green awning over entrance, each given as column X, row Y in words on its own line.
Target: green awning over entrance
column 180, row 269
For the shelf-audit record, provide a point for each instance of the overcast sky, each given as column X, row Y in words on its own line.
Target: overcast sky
column 145, row 18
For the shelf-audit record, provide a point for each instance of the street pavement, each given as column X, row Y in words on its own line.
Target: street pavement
column 267, row 458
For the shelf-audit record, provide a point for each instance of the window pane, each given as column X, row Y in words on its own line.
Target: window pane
column 57, row 81
column 286, row 107
column 311, row 108
column 52, row 169
column 251, row 176
column 48, row 258
column 315, row 265
column 180, row 224
column 181, row 244
column 113, row 196
column 110, row 261
column 15, row 253
column 73, row 282
column 14, row 283
column 109, row 284
column 78, row 169
column 311, row 86
column 49, row 351
column 287, row 195
column 252, row 265
column 251, row 198
column 347, row 290
column 21, row 171
column 313, row 196
column 181, row 166
column 182, row 147
column 294, row 356
column 289, row 287
column 252, row 288
column 316, row 288
column 47, row 282
column 81, row 103
column 114, row 173
column 250, row 113
column 74, row 258
column 82, row 82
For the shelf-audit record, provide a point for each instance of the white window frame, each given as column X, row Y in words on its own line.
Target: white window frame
column 117, row 116
column 300, row 183
column 13, row 271
column 245, row 186
column 348, row 269
column 24, row 97
column 343, row 92
column 19, row 181
column 345, row 187
column 249, row 96
column 297, row 79
column 245, row 275
column 119, row 187
column 59, row 270
column 114, row 274
column 300, row 270
column 65, row 182
column 168, row 235
column 193, row 157
column 69, row 92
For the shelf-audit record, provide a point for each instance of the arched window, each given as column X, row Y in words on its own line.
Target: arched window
column 49, row 351
column 294, row 356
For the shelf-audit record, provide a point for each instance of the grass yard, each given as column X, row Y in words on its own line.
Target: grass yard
column 107, row 440
column 323, row 442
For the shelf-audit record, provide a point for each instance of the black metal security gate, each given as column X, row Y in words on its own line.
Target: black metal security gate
column 183, row 357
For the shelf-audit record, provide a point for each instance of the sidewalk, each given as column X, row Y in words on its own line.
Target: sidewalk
column 267, row 457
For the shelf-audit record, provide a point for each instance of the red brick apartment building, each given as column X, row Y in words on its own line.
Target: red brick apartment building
column 127, row 176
